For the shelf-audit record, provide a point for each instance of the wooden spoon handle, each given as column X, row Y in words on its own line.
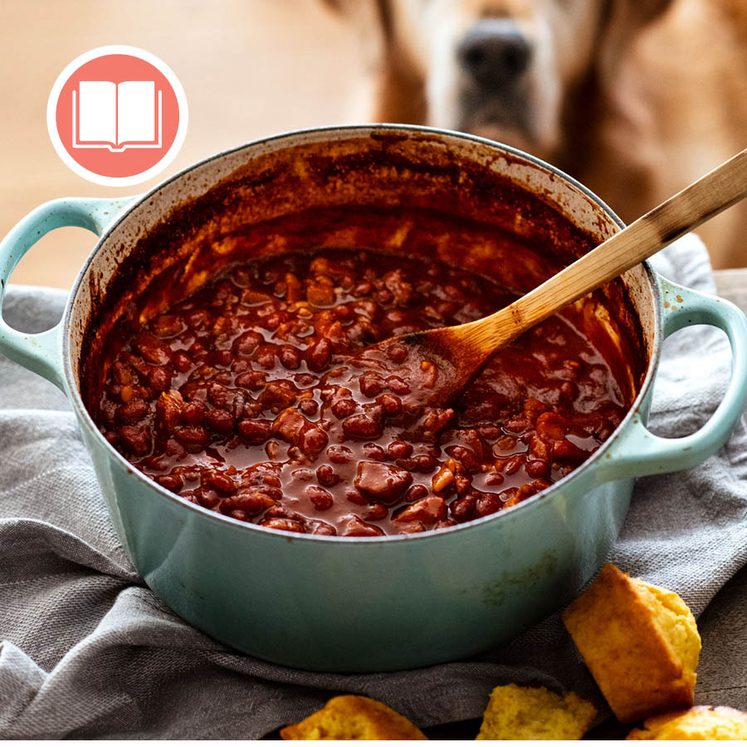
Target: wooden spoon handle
column 708, row 196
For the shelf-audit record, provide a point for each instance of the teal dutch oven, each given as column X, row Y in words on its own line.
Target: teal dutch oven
column 365, row 604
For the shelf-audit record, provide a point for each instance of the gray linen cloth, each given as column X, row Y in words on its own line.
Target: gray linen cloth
column 88, row 651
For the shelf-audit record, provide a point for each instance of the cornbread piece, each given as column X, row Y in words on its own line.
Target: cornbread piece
column 700, row 722
column 353, row 717
column 640, row 642
column 516, row 712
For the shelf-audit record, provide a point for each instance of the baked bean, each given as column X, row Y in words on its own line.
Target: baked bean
column 308, row 407
column 354, row 496
column 538, row 447
column 220, row 482
column 550, row 425
column 390, row 404
column 415, row 492
column 339, row 454
column 159, row 378
column 517, row 425
column 194, row 413
column 170, row 482
column 504, row 444
column 327, row 476
column 463, row 509
column 133, row 411
column 566, row 450
column 255, row 431
column 265, row 361
column 462, row 483
column 252, row 380
column 465, row 457
column 569, row 390
column 375, row 452
column 289, row 357
column 513, row 465
column 491, row 432
column 537, row 468
column 399, row 450
column 136, row 439
column 319, row 355
column 397, row 354
column 210, row 499
column 313, row 441
column 320, row 527
column 370, row 384
column 220, row 421
column 320, row 295
column 395, row 384
column 364, row 425
column 412, row 527
column 152, row 349
column 343, row 313
column 287, row 525
column 289, row 425
column 192, row 434
column 321, row 498
column 424, row 463
column 486, row 504
column 253, row 502
column 375, row 512
column 343, row 408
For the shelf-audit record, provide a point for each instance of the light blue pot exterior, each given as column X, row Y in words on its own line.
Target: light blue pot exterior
column 359, row 605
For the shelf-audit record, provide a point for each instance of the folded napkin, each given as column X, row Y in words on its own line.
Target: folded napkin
column 88, row 651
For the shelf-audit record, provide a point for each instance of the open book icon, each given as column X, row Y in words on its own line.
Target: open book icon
column 117, row 116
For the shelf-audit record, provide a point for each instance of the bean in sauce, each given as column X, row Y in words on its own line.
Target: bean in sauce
column 249, row 398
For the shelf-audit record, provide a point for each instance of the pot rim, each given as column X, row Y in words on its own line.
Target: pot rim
column 315, row 134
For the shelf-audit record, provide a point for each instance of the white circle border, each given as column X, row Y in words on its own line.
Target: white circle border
column 117, row 181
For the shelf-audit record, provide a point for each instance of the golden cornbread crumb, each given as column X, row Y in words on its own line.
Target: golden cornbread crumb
column 700, row 722
column 640, row 643
column 353, row 717
column 515, row 712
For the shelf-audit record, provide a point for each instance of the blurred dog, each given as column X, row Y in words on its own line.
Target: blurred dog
column 635, row 98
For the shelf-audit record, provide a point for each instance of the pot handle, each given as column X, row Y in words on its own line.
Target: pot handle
column 42, row 352
column 637, row 451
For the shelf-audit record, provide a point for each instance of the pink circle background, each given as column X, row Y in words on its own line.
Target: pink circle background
column 133, row 161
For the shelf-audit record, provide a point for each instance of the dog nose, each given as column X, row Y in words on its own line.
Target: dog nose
column 494, row 52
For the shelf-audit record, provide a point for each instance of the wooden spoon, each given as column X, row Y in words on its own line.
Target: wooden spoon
column 440, row 363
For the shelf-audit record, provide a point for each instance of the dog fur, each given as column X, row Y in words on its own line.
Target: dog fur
column 635, row 98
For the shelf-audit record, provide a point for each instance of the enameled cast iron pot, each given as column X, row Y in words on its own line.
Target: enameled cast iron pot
column 367, row 604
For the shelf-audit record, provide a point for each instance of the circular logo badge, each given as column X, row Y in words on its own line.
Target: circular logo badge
column 117, row 115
